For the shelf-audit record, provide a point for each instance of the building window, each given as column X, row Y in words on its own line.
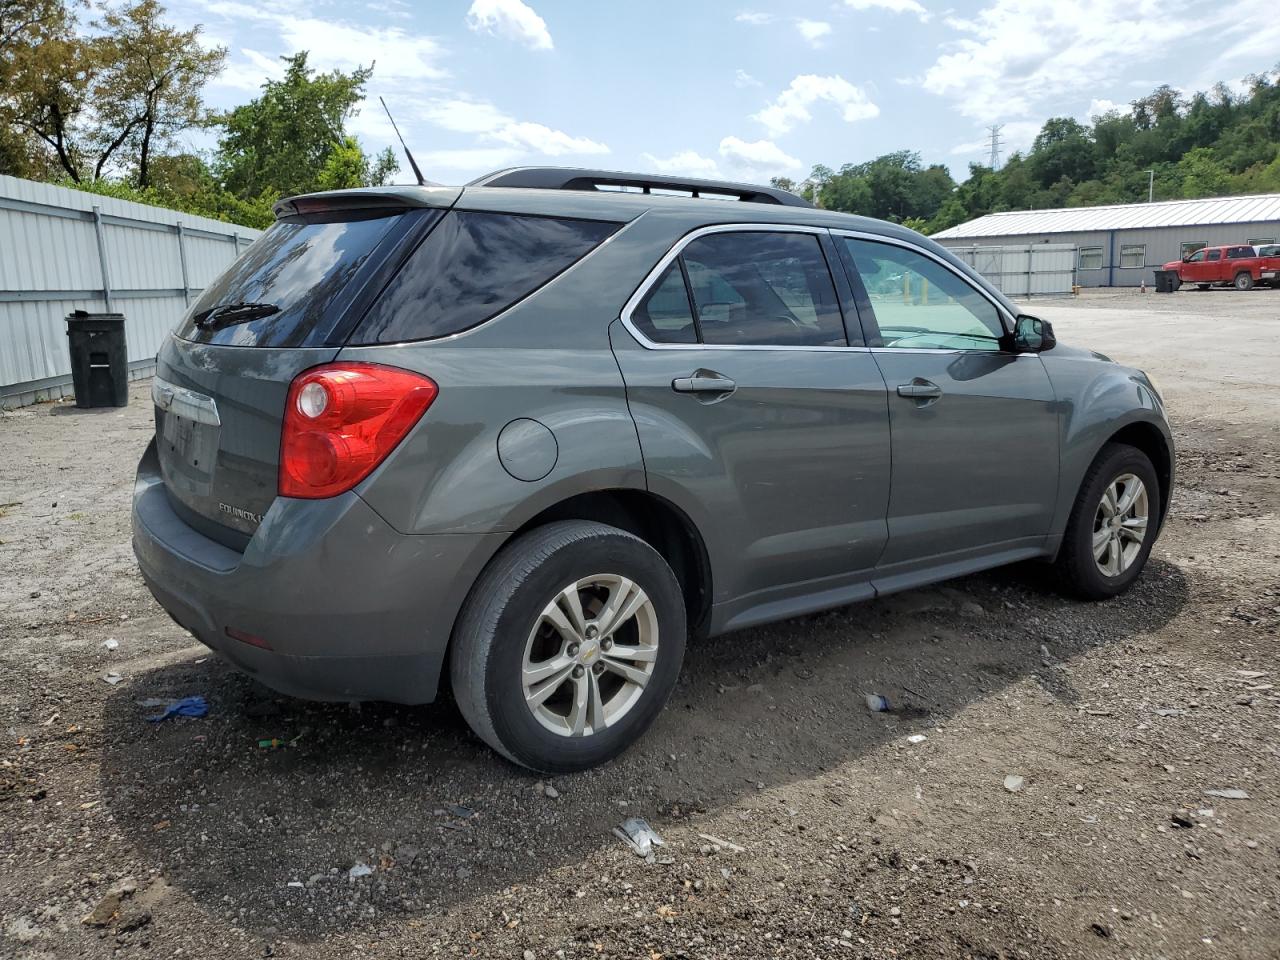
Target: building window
column 1188, row 247
column 1261, row 240
column 1133, row 255
column 1090, row 258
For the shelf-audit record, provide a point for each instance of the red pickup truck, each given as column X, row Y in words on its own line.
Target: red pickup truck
column 1241, row 265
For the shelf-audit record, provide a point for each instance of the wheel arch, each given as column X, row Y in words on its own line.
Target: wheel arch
column 658, row 522
column 1148, row 438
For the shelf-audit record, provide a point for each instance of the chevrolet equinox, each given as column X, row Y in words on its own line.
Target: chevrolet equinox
column 532, row 433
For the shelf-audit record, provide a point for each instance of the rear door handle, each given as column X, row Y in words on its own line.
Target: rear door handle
column 920, row 389
column 703, row 381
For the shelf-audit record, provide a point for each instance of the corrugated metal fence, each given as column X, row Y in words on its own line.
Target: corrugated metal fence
column 63, row 250
column 1024, row 270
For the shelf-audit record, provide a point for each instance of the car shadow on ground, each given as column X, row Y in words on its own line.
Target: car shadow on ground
column 264, row 836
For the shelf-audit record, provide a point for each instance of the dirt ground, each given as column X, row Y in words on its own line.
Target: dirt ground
column 797, row 822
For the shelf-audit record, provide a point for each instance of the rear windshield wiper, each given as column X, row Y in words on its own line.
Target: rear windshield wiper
column 229, row 314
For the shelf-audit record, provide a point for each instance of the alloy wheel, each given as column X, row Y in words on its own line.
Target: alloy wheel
column 590, row 654
column 1120, row 524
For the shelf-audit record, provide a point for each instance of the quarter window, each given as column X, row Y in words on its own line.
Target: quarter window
column 763, row 288
column 1090, row 258
column 472, row 267
column 664, row 315
column 1133, row 255
column 919, row 303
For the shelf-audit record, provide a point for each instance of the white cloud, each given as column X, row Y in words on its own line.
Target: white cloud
column 688, row 163
column 1099, row 106
column 465, row 116
column 1020, row 57
column 511, row 18
column 483, row 119
column 395, row 53
column 813, row 30
column 760, row 157
column 470, row 160
column 755, row 19
column 792, row 105
column 553, row 143
column 892, row 6
column 743, row 79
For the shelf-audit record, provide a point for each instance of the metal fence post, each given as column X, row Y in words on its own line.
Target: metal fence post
column 182, row 258
column 102, row 256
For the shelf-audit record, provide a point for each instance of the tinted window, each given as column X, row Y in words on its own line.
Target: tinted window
column 1269, row 251
column 304, row 269
column 771, row 289
column 472, row 267
column 919, row 303
column 1239, row 253
column 1213, row 255
column 664, row 316
column 1196, row 257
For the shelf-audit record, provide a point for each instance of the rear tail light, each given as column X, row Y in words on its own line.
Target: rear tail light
column 341, row 420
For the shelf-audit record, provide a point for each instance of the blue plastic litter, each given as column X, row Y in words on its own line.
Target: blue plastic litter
column 186, row 707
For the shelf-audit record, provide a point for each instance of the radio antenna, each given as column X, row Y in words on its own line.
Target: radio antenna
column 422, row 181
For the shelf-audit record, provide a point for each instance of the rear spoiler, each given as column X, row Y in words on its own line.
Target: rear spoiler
column 366, row 199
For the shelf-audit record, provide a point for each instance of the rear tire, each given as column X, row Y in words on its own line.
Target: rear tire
column 1101, row 556
column 1244, row 281
column 537, row 626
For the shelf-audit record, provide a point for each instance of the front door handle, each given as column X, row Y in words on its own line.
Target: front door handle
column 920, row 389
column 703, row 381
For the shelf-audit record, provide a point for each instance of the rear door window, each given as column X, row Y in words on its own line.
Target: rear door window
column 292, row 284
column 763, row 288
column 472, row 267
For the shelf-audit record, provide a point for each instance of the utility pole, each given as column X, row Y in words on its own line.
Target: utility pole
column 1151, row 185
column 996, row 144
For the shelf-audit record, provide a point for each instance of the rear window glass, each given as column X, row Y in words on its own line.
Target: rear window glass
column 472, row 267
column 302, row 270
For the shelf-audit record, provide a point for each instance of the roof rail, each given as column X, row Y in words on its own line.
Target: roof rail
column 571, row 178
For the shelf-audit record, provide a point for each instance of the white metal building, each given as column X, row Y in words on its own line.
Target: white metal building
column 1124, row 244
column 63, row 250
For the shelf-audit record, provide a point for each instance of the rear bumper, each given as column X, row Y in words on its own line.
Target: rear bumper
column 350, row 609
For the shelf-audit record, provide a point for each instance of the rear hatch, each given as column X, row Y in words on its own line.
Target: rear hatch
column 287, row 304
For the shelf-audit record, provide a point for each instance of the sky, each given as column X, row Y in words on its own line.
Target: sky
column 729, row 90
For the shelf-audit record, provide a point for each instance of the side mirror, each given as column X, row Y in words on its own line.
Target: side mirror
column 1031, row 335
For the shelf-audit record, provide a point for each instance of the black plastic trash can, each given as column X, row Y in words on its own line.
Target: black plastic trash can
column 1166, row 281
column 99, row 359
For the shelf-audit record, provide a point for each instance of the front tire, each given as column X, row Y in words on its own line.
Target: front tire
column 568, row 646
column 1112, row 526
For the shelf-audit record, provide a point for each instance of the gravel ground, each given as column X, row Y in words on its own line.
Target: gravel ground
column 1041, row 789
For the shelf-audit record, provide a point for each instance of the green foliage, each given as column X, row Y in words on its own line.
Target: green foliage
column 292, row 138
column 1217, row 143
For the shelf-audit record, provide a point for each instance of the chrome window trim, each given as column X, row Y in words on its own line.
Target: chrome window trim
column 652, row 276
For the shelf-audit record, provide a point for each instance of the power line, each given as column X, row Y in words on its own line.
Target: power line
column 996, row 144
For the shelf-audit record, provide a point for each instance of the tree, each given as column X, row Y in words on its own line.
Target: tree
column 292, row 138
column 1063, row 148
column 150, row 83
column 348, row 166
column 129, row 87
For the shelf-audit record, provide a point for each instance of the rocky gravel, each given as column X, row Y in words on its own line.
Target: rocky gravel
column 1050, row 779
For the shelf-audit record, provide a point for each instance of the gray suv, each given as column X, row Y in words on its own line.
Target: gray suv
column 532, row 433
